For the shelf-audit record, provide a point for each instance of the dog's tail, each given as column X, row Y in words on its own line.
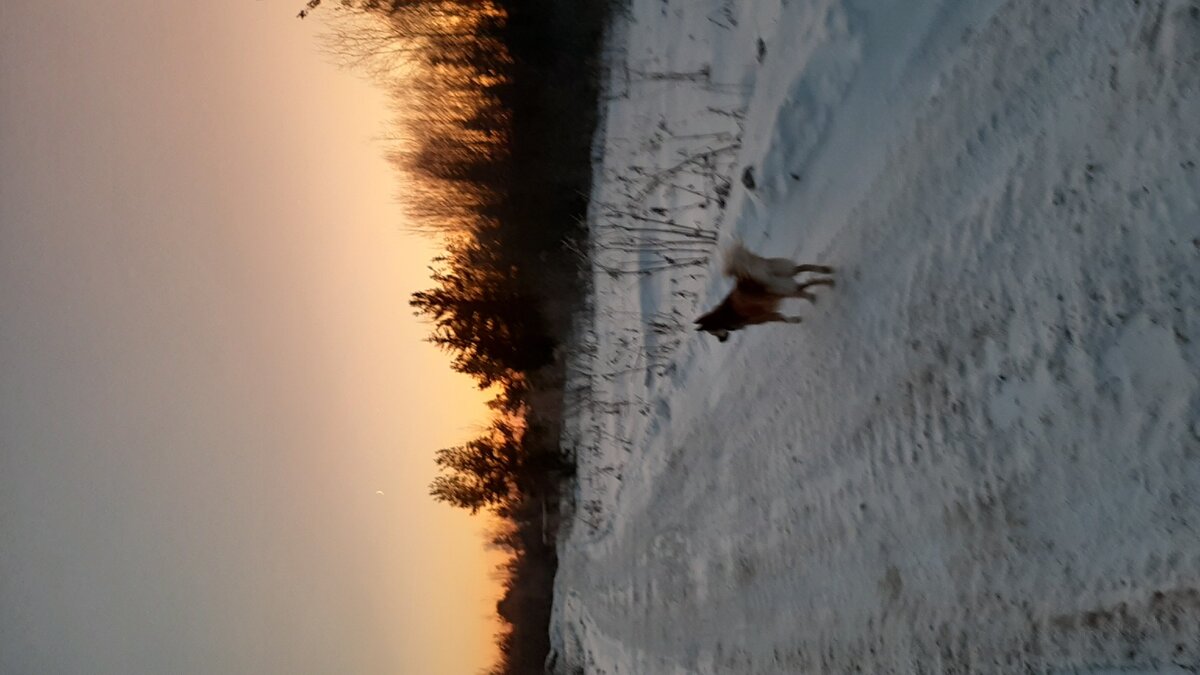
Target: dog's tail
column 775, row 274
column 739, row 262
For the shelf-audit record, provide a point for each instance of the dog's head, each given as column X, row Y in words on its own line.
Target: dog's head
column 713, row 324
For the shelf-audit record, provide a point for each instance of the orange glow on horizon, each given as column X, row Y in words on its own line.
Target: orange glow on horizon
column 431, row 406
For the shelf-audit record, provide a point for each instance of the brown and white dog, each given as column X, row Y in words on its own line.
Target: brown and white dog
column 761, row 285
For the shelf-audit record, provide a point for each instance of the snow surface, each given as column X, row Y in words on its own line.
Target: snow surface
column 980, row 452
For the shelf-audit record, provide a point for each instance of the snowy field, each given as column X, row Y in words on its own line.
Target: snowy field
column 980, row 452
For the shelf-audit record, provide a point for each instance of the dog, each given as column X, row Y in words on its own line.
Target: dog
column 761, row 285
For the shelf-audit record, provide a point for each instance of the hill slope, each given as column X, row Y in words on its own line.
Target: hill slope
column 981, row 451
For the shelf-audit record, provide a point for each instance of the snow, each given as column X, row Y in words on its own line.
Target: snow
column 980, row 452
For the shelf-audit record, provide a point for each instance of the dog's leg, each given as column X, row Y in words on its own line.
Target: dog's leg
column 802, row 292
column 779, row 267
column 771, row 317
column 819, row 269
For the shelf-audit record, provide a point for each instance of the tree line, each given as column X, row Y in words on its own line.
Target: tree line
column 496, row 104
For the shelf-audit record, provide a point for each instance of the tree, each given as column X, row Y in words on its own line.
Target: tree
column 481, row 473
column 483, row 317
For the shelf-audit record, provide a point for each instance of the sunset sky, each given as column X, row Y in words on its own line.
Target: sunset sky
column 208, row 367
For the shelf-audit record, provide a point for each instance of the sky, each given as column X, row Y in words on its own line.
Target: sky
column 217, row 413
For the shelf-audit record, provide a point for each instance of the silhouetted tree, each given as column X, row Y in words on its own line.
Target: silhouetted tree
column 482, row 316
column 481, row 473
